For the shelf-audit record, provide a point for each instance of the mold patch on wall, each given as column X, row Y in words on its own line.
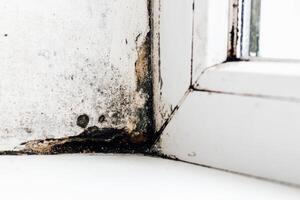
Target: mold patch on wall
column 72, row 70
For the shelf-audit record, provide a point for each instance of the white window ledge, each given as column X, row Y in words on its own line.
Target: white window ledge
column 273, row 79
column 126, row 177
column 244, row 118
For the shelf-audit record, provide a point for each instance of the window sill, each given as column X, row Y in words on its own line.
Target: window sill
column 132, row 177
column 269, row 79
column 243, row 118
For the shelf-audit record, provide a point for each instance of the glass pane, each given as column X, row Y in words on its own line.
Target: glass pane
column 254, row 24
column 275, row 32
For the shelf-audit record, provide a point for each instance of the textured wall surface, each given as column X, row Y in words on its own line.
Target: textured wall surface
column 62, row 59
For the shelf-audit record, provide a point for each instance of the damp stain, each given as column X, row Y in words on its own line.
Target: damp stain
column 83, row 121
column 136, row 135
column 101, row 119
column 91, row 140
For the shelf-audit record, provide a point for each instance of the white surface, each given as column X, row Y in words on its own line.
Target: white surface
column 264, row 78
column 176, row 37
column 249, row 135
column 126, row 177
column 174, row 73
column 279, row 29
column 210, row 34
column 64, row 58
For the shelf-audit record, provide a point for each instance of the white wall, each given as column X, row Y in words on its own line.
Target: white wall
column 63, row 58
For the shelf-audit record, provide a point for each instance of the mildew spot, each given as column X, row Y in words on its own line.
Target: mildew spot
column 28, row 130
column 83, row 121
column 101, row 119
column 92, row 140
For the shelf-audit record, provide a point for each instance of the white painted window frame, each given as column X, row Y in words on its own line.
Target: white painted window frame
column 241, row 116
column 274, row 78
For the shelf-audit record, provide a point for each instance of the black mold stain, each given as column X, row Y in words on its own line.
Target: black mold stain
column 144, row 80
column 111, row 140
column 101, row 119
column 92, row 140
column 83, row 121
column 233, row 32
column 5, row 35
